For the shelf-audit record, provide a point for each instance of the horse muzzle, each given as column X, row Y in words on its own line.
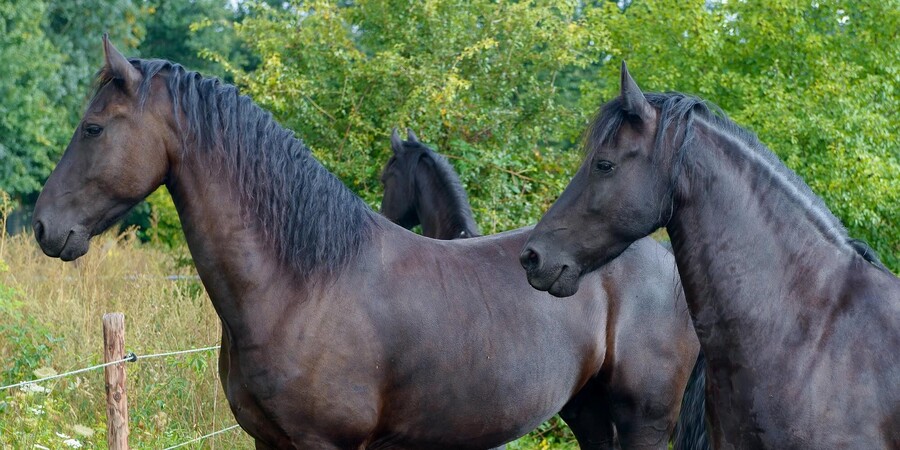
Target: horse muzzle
column 65, row 243
column 556, row 277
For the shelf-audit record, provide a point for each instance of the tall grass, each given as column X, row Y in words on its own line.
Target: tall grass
column 50, row 315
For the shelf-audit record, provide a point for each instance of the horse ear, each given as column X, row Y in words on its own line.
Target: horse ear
column 119, row 68
column 633, row 99
column 396, row 142
column 410, row 136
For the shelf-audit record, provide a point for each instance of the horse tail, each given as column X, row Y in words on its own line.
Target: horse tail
column 690, row 431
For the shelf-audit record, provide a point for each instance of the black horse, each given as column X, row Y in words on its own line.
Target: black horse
column 800, row 323
column 420, row 186
column 343, row 330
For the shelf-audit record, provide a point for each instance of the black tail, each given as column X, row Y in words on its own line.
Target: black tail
column 690, row 431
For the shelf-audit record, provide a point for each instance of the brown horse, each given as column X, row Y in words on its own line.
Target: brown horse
column 800, row 324
column 341, row 329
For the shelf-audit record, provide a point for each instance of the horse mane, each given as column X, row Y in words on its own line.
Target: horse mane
column 448, row 179
column 310, row 217
column 677, row 113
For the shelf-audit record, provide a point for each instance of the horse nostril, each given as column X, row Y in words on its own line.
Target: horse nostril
column 530, row 259
column 38, row 230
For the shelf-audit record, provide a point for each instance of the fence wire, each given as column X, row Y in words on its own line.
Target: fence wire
column 179, row 352
column 203, row 437
column 130, row 357
column 60, row 375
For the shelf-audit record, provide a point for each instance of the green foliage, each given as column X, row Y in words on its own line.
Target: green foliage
column 75, row 28
column 165, row 227
column 45, row 421
column 552, row 434
column 30, row 113
column 819, row 81
column 22, row 331
column 478, row 80
column 183, row 31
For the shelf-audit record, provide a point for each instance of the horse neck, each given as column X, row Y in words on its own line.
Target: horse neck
column 750, row 244
column 442, row 212
column 244, row 276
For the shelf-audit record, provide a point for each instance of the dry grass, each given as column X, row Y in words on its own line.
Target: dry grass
column 51, row 319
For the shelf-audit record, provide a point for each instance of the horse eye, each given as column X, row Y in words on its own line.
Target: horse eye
column 92, row 130
column 605, row 166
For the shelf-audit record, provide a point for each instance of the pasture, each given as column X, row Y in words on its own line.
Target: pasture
column 51, row 321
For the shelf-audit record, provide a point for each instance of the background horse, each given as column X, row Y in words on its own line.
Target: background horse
column 420, row 186
column 800, row 324
column 341, row 329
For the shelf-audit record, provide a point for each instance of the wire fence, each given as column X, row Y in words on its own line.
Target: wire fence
column 130, row 358
column 61, row 375
column 205, row 436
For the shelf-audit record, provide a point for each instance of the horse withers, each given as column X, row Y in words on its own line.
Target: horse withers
column 339, row 328
column 800, row 324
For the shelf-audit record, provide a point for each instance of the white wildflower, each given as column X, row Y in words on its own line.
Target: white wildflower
column 73, row 443
column 32, row 387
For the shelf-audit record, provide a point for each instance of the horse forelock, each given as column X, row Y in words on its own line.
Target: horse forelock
column 313, row 221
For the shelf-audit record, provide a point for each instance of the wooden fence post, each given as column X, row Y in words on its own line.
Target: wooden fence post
column 116, row 398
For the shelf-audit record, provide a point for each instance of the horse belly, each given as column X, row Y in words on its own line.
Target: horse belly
column 287, row 405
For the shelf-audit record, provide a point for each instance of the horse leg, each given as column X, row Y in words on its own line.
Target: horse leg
column 644, row 409
column 645, row 400
column 589, row 417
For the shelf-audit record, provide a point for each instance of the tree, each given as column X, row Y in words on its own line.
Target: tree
column 184, row 32
column 76, row 35
column 30, row 111
column 479, row 80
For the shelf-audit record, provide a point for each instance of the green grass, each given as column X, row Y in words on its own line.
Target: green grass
column 50, row 321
